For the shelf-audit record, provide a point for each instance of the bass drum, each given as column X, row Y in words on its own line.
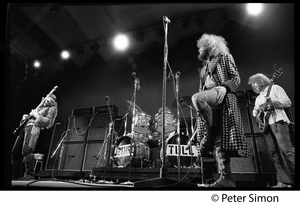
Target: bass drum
column 140, row 155
column 187, row 155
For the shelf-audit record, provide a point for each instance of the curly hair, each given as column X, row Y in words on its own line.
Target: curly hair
column 259, row 77
column 216, row 44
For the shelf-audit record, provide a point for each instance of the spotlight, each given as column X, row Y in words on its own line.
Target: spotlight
column 199, row 20
column 36, row 64
column 140, row 36
column 54, row 9
column 185, row 23
column 80, row 50
column 65, row 54
column 95, row 46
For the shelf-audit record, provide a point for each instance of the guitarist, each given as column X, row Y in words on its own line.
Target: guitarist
column 277, row 132
column 38, row 119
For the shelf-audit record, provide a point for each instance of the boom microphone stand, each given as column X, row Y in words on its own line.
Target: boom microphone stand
column 163, row 181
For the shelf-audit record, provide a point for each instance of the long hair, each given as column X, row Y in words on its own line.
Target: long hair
column 216, row 44
column 259, row 77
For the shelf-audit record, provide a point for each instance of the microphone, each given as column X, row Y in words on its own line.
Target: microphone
column 188, row 145
column 133, row 74
column 169, row 76
column 190, row 141
column 107, row 98
column 166, row 19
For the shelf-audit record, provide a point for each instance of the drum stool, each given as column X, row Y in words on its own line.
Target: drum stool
column 38, row 158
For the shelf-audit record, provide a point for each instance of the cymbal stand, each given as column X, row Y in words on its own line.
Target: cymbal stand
column 177, row 74
column 110, row 135
column 136, row 87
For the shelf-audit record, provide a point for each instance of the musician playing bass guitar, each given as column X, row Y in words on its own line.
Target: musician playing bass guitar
column 43, row 117
column 271, row 100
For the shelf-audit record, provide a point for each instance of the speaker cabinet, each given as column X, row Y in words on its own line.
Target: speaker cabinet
column 99, row 127
column 247, row 165
column 91, row 153
column 78, row 126
column 58, row 129
column 72, row 156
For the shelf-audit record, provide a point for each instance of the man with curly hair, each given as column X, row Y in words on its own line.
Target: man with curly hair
column 277, row 126
column 219, row 78
column 41, row 118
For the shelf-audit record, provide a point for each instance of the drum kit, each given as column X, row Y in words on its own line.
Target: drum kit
column 133, row 149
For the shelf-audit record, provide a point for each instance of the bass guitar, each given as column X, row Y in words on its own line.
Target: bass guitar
column 24, row 121
column 264, row 113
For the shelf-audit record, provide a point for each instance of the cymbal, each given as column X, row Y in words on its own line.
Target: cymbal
column 184, row 101
column 130, row 104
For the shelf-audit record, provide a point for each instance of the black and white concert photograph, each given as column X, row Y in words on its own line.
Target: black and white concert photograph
column 150, row 96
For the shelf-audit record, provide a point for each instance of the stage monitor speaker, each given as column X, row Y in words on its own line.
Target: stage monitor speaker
column 246, row 165
column 78, row 126
column 72, row 156
column 99, row 127
column 91, row 154
column 58, row 131
column 243, row 104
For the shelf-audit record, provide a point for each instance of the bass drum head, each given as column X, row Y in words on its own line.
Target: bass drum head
column 187, row 156
column 140, row 153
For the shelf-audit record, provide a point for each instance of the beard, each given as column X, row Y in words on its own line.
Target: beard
column 204, row 55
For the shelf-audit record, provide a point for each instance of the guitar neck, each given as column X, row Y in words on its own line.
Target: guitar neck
column 269, row 88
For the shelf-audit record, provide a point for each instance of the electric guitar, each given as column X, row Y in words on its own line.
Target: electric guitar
column 24, row 121
column 264, row 113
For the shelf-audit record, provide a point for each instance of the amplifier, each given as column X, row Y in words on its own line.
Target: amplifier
column 81, row 112
column 103, row 109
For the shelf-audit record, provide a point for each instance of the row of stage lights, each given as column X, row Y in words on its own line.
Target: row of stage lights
column 121, row 41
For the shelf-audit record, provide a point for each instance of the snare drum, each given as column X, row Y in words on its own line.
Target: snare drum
column 170, row 122
column 140, row 153
column 142, row 123
column 187, row 156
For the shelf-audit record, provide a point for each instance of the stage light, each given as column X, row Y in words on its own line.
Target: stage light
column 54, row 9
column 36, row 64
column 121, row 42
column 65, row 54
column 254, row 8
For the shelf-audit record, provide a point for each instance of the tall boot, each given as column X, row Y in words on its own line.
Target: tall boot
column 225, row 180
column 208, row 116
column 29, row 167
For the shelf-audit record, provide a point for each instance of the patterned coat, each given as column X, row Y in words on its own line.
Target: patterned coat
column 224, row 72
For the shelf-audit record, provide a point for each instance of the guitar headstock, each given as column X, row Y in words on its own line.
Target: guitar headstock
column 277, row 74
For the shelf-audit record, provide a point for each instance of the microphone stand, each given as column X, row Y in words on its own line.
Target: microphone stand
column 58, row 146
column 136, row 87
column 163, row 181
column 110, row 135
column 178, row 125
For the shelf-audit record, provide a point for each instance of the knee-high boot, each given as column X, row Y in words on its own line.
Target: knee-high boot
column 29, row 167
column 208, row 116
column 223, row 161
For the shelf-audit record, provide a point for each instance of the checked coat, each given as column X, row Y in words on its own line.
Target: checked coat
column 225, row 73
